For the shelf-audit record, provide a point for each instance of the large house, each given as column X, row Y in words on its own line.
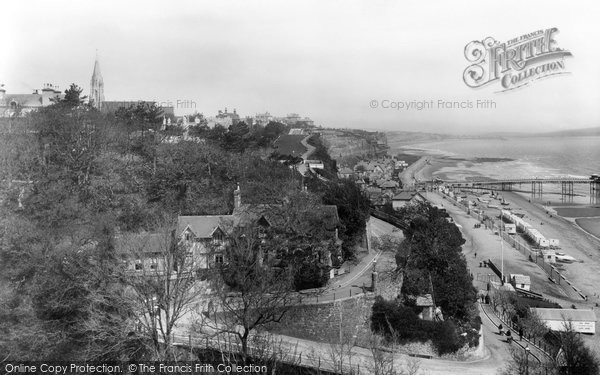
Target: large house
column 206, row 235
column 12, row 105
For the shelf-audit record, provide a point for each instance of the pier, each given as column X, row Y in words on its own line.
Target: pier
column 536, row 184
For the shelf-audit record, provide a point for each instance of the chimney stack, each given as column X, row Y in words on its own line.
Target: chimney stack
column 237, row 197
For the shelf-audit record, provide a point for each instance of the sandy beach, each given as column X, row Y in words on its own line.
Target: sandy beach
column 571, row 230
column 581, row 216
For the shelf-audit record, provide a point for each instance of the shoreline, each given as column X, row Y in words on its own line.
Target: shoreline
column 584, row 216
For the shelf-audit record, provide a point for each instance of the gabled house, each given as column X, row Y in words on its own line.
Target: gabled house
column 405, row 198
column 388, row 185
column 143, row 253
column 206, row 235
column 345, row 172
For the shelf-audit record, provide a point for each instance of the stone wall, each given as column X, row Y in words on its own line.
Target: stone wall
column 324, row 321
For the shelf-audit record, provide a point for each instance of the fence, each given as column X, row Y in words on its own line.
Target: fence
column 339, row 362
column 508, row 320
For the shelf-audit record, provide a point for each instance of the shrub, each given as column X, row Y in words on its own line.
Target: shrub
column 399, row 323
column 395, row 321
column 310, row 275
column 446, row 340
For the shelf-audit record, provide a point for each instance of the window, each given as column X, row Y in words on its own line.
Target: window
column 188, row 236
column 138, row 266
column 218, row 238
column 219, row 259
column 153, row 263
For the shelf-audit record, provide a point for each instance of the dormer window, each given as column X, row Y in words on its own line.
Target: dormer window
column 188, row 236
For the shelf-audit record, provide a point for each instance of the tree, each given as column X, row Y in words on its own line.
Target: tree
column 162, row 281
column 353, row 209
column 523, row 363
column 72, row 97
column 574, row 357
column 251, row 291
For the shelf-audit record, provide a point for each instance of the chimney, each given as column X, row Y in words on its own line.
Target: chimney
column 237, row 197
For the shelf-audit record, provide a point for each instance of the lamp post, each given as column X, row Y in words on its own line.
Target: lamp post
column 502, row 253
column 527, row 359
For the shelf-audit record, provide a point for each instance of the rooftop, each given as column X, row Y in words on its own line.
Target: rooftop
column 403, row 196
column 575, row 315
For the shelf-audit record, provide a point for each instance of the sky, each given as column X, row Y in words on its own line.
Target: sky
column 333, row 61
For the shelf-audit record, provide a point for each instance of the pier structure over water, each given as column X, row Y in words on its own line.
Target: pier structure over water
column 536, row 183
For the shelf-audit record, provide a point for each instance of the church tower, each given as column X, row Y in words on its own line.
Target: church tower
column 97, row 86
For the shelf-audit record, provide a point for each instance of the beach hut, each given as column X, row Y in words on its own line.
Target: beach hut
column 549, row 256
column 520, row 281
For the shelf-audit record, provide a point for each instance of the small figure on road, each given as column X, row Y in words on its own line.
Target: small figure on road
column 508, row 336
column 500, row 329
column 487, row 299
column 475, row 255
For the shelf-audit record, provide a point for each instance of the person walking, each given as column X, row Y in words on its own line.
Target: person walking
column 500, row 329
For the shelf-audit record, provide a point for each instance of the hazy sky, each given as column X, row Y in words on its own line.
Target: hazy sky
column 323, row 59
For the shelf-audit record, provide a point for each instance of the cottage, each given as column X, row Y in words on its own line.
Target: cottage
column 425, row 302
column 144, row 253
column 405, row 198
column 345, row 172
column 549, row 256
column 388, row 185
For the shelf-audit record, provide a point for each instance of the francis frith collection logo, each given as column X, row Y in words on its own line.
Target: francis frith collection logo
column 514, row 63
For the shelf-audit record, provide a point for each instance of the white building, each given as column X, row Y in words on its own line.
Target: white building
column 520, row 281
column 583, row 321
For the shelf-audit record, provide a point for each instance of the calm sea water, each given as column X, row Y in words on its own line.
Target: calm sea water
column 539, row 156
column 529, row 157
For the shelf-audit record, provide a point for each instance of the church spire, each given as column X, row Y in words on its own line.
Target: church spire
column 97, row 86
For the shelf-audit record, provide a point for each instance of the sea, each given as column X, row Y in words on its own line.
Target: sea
column 512, row 157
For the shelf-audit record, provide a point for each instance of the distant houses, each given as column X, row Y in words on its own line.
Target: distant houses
column 379, row 178
column 405, row 198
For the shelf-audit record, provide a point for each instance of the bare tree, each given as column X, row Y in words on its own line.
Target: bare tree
column 162, row 280
column 574, row 357
column 250, row 290
column 384, row 357
column 523, row 363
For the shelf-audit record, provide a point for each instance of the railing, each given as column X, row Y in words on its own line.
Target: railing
column 390, row 219
column 507, row 322
column 338, row 362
